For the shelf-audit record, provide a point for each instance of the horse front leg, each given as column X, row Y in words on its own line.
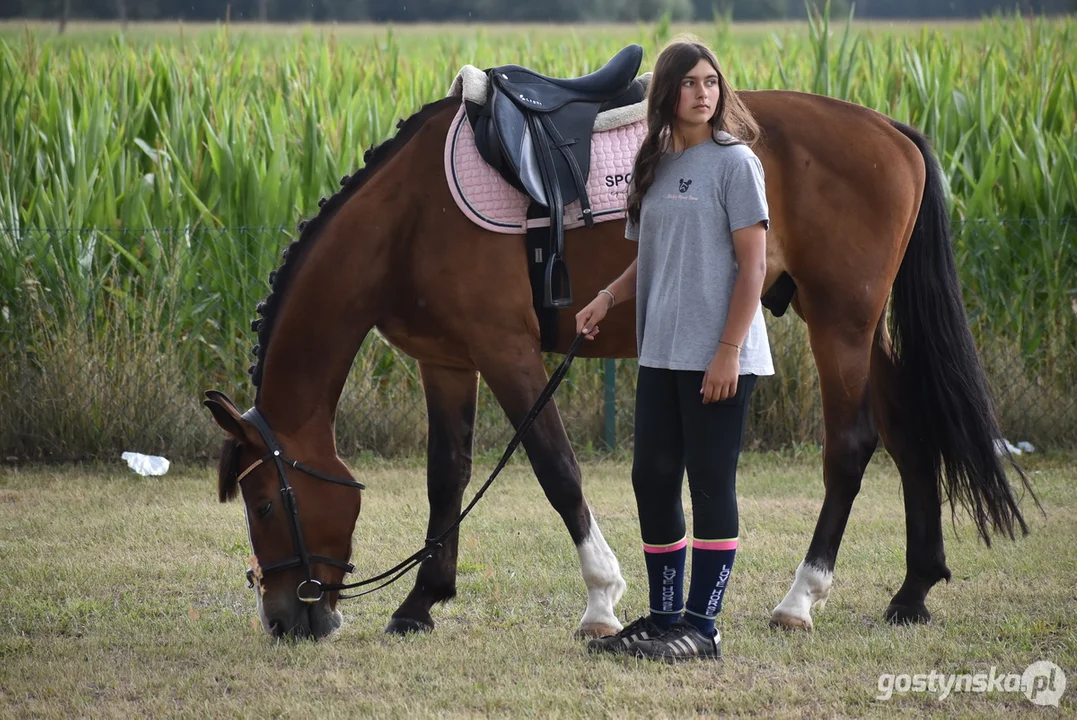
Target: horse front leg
column 516, row 375
column 450, row 404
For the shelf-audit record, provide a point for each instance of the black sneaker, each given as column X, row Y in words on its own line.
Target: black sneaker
column 681, row 642
column 642, row 629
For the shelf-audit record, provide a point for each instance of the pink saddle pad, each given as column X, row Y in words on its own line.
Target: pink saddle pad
column 491, row 203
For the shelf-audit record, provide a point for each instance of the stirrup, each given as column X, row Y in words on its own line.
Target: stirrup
column 557, row 265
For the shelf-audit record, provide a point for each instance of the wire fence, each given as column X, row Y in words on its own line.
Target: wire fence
column 108, row 338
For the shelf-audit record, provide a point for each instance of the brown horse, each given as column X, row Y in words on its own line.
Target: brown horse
column 858, row 215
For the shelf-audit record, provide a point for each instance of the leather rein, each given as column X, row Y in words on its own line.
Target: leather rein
column 311, row 590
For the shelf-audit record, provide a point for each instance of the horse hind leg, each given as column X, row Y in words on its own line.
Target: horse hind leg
column 451, row 404
column 516, row 375
column 924, row 556
column 842, row 359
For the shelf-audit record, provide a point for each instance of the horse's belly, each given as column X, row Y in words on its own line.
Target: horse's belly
column 428, row 346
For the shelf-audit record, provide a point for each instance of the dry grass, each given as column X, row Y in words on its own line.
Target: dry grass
column 124, row 596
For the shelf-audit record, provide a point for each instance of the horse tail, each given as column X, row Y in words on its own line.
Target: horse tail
column 940, row 370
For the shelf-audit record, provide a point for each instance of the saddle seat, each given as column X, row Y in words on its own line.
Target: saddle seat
column 542, row 93
column 536, row 132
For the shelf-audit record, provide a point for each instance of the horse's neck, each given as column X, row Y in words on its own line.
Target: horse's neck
column 320, row 326
column 343, row 285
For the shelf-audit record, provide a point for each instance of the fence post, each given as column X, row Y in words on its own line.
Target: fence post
column 609, row 377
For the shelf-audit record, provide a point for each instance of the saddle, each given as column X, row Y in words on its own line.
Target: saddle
column 536, row 132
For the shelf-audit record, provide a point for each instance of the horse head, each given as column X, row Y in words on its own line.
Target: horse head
column 300, row 517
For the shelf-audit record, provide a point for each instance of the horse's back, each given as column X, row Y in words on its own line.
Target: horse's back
column 844, row 186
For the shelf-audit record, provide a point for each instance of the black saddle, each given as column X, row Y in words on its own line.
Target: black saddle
column 536, row 132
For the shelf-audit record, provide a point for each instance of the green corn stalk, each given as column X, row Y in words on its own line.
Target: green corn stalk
column 192, row 155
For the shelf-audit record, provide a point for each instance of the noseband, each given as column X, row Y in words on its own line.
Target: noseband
column 309, row 590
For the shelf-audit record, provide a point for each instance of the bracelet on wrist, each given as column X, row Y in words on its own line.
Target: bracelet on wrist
column 613, row 300
column 723, row 342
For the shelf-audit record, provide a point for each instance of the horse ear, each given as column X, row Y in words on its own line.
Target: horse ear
column 227, row 415
column 223, row 399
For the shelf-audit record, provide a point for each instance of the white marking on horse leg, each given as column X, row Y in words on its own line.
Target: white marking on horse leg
column 602, row 574
column 810, row 589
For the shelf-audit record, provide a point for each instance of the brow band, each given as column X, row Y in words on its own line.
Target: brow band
column 247, row 472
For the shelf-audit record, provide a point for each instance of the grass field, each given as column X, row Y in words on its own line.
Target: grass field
column 123, row 596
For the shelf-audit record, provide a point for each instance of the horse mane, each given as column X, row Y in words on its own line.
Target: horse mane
column 281, row 278
column 228, row 471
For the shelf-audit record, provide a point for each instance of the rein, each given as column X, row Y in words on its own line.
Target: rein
column 304, row 559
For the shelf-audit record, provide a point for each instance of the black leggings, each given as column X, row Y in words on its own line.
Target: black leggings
column 675, row 431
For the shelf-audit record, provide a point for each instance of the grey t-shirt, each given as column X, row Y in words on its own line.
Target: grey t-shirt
column 687, row 262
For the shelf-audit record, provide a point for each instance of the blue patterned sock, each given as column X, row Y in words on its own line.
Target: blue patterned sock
column 665, row 576
column 712, row 563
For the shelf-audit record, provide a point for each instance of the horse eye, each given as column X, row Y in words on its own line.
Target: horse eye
column 264, row 509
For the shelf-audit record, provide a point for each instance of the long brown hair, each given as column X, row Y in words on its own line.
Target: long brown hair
column 677, row 60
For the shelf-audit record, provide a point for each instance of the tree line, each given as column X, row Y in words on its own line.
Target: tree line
column 402, row 11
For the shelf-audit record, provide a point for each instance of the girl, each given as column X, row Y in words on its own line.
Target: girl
column 698, row 210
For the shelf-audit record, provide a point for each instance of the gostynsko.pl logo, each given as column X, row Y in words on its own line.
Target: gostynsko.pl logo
column 1042, row 682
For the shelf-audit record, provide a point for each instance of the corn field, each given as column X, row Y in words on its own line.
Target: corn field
column 149, row 180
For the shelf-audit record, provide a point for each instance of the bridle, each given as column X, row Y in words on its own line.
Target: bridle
column 306, row 589
column 312, row 590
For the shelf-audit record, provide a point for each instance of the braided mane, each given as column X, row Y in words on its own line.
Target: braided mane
column 281, row 278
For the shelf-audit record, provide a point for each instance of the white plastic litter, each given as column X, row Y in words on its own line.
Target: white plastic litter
column 146, row 464
column 1002, row 445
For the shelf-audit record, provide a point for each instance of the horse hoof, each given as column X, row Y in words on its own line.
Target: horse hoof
column 907, row 614
column 405, row 626
column 783, row 621
column 595, row 630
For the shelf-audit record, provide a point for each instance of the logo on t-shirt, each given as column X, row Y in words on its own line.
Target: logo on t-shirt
column 683, row 186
